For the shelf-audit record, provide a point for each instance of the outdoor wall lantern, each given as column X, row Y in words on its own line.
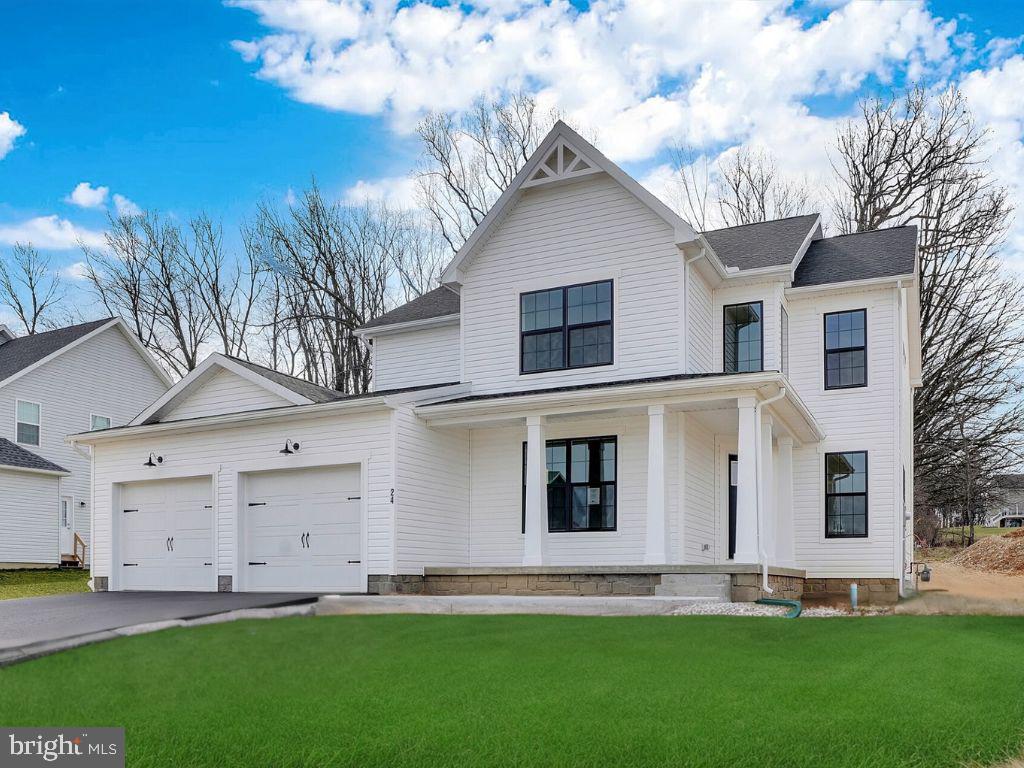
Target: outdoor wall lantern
column 289, row 448
column 154, row 460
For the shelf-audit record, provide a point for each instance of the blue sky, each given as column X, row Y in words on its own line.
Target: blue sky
column 196, row 104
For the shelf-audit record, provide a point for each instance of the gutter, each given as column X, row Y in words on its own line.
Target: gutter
column 759, row 474
column 409, row 325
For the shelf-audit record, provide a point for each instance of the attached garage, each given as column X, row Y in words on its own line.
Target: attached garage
column 166, row 532
column 303, row 530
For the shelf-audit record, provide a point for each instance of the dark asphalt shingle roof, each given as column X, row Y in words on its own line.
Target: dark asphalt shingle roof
column 13, row 455
column 436, row 303
column 592, row 385
column 765, row 244
column 307, row 389
column 861, row 256
column 23, row 351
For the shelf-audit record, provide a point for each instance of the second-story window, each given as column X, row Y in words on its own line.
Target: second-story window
column 99, row 422
column 743, row 346
column 846, row 349
column 27, row 427
column 567, row 327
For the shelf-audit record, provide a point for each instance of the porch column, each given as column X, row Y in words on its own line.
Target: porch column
column 534, row 549
column 768, row 516
column 746, row 483
column 784, row 545
column 656, row 551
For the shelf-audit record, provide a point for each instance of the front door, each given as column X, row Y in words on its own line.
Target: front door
column 733, row 471
column 67, row 526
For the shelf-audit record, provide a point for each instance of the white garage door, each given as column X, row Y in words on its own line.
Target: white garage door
column 303, row 530
column 167, row 535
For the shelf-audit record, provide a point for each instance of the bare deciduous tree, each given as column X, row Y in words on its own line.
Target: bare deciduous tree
column 750, row 189
column 31, row 289
column 919, row 159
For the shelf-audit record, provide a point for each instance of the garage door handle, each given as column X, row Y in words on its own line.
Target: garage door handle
column 207, row 563
column 128, row 565
column 353, row 498
column 252, row 563
column 126, row 511
column 257, row 503
column 354, row 562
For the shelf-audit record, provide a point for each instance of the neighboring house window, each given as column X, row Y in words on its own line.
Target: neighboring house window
column 99, row 422
column 744, row 340
column 27, row 429
column 581, row 484
column 846, row 495
column 784, row 330
column 567, row 327
column 846, row 351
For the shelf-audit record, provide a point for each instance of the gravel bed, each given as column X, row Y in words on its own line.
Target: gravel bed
column 754, row 609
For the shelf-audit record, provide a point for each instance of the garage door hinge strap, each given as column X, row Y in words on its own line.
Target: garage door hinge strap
column 257, row 503
column 252, row 563
column 127, row 565
column 126, row 511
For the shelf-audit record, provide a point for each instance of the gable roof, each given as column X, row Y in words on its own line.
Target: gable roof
column 560, row 136
column 440, row 302
column 13, row 455
column 25, row 353
column 312, row 392
column 773, row 243
column 860, row 256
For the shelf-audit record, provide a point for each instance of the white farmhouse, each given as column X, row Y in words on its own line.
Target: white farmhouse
column 599, row 399
column 89, row 376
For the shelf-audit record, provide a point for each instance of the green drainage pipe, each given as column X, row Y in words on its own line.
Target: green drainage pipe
column 794, row 605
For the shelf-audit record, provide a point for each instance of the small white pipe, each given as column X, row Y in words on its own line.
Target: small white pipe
column 758, row 473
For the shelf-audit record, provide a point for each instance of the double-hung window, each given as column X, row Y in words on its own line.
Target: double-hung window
column 567, row 327
column 27, row 426
column 846, row 495
column 846, row 349
column 581, row 475
column 743, row 344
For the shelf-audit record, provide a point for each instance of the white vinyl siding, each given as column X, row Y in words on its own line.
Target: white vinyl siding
column 560, row 235
column 701, row 324
column 769, row 294
column 224, row 392
column 228, row 452
column 416, row 358
column 699, row 514
column 70, row 388
column 28, row 518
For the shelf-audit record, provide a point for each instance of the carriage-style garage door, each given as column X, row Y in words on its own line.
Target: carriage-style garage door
column 166, row 539
column 303, row 530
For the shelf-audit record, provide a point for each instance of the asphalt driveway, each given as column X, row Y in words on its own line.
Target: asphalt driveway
column 34, row 621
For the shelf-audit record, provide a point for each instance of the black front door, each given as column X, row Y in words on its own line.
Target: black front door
column 733, row 471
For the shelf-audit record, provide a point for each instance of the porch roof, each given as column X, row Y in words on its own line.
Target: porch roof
column 692, row 391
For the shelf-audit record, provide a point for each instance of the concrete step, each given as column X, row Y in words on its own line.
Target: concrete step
column 340, row 605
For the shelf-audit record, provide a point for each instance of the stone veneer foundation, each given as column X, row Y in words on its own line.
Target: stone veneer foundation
column 837, row 591
column 99, row 584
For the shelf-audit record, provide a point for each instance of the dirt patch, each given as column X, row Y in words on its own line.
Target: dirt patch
column 957, row 590
column 994, row 554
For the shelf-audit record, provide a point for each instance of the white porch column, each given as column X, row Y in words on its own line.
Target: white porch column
column 768, row 516
column 534, row 549
column 746, row 483
column 656, row 551
column 784, row 544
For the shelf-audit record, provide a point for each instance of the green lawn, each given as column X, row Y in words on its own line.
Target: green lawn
column 33, row 583
column 536, row 690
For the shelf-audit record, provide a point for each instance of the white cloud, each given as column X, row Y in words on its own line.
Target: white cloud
column 399, row 191
column 85, row 195
column 50, row 233
column 78, row 271
column 639, row 73
column 125, row 207
column 10, row 130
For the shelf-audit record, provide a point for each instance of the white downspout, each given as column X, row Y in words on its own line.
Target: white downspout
column 760, row 486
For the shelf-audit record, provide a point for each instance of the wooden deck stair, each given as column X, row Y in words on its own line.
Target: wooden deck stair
column 74, row 559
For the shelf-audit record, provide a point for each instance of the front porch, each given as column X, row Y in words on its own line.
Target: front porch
column 642, row 488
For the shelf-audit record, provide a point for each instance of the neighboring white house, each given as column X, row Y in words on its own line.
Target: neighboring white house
column 89, row 376
column 598, row 399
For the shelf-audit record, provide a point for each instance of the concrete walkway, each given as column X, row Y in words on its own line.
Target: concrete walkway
column 340, row 605
column 36, row 626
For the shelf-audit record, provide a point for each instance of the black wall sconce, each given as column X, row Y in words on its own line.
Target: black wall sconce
column 153, row 460
column 290, row 448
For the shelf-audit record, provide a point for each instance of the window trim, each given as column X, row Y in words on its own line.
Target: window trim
column 568, row 441
column 865, row 494
column 566, row 328
column 110, row 421
column 17, row 421
column 825, row 350
column 725, row 309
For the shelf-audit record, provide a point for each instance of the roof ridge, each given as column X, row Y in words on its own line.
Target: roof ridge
column 759, row 223
column 870, row 231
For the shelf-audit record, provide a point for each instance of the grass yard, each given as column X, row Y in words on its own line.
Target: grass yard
column 34, row 583
column 541, row 690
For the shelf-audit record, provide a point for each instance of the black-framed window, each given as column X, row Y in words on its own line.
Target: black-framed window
column 582, row 481
column 568, row 327
column 743, row 344
column 846, row 495
column 846, row 349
